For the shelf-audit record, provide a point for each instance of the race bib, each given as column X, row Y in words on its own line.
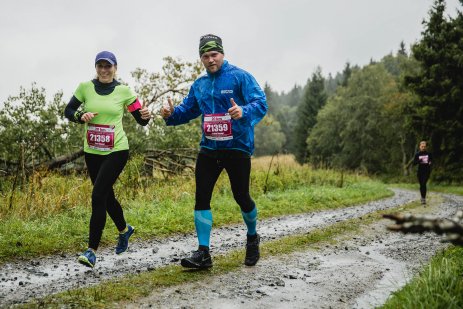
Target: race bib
column 218, row 127
column 423, row 159
column 100, row 137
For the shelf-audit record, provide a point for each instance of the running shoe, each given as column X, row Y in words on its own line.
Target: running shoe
column 200, row 259
column 252, row 251
column 88, row 258
column 423, row 201
column 123, row 243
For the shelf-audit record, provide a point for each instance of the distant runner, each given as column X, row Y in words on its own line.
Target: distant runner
column 106, row 147
column 230, row 103
column 423, row 159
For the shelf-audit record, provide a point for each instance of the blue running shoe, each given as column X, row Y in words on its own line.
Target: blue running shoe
column 123, row 243
column 88, row 258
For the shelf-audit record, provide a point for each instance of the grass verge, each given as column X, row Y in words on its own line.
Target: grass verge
column 112, row 293
column 432, row 187
column 439, row 285
column 67, row 231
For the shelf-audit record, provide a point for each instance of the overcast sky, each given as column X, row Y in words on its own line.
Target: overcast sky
column 54, row 42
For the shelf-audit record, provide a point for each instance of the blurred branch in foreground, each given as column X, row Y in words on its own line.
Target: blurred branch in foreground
column 451, row 228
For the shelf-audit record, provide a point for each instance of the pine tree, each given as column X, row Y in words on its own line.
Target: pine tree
column 346, row 74
column 312, row 101
column 438, row 114
column 402, row 50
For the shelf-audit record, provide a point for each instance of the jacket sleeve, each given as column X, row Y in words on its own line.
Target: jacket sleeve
column 71, row 111
column 254, row 96
column 186, row 111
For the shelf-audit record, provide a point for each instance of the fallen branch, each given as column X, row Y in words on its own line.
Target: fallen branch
column 178, row 161
column 11, row 167
column 452, row 228
column 60, row 161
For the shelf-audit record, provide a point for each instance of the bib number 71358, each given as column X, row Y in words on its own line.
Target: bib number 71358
column 100, row 137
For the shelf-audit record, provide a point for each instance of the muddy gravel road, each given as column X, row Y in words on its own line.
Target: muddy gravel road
column 359, row 273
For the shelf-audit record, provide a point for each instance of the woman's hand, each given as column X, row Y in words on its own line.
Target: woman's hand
column 88, row 116
column 145, row 113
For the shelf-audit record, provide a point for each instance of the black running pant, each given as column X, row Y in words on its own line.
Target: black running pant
column 104, row 171
column 423, row 177
column 207, row 172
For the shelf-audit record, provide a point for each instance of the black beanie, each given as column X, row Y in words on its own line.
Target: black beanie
column 210, row 42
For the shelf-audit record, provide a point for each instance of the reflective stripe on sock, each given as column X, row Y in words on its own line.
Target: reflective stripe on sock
column 250, row 218
column 203, row 224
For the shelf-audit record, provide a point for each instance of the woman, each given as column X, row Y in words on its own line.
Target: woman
column 424, row 159
column 106, row 148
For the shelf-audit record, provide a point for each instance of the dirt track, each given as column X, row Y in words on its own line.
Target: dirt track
column 361, row 271
column 357, row 273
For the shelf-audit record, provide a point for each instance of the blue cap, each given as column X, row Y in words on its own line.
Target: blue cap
column 106, row 55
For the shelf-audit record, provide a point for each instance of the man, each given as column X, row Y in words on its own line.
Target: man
column 230, row 103
column 423, row 158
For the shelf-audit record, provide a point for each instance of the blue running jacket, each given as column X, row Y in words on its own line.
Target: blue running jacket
column 211, row 93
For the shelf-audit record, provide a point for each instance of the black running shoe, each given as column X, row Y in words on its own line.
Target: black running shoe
column 200, row 259
column 252, row 252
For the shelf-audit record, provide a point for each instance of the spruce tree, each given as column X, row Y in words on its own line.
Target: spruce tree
column 312, row 101
column 437, row 116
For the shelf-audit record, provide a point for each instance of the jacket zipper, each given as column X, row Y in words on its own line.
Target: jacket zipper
column 213, row 104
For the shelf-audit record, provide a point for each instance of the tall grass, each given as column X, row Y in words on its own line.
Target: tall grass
column 52, row 193
column 52, row 212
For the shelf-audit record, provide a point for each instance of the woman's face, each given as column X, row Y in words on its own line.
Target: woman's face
column 422, row 146
column 105, row 71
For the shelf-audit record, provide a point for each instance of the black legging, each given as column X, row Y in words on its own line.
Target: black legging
column 423, row 177
column 104, row 171
column 208, row 171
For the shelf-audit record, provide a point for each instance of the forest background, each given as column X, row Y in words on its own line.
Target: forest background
column 367, row 119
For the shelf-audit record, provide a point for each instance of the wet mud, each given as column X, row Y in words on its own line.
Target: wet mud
column 360, row 271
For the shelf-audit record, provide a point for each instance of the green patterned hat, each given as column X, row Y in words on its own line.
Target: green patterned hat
column 210, row 42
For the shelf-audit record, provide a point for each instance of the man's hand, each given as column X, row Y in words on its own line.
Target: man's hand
column 88, row 116
column 236, row 112
column 167, row 110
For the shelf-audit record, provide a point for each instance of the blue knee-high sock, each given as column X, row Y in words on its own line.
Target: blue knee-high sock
column 203, row 224
column 250, row 218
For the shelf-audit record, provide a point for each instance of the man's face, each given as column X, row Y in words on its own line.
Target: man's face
column 212, row 61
